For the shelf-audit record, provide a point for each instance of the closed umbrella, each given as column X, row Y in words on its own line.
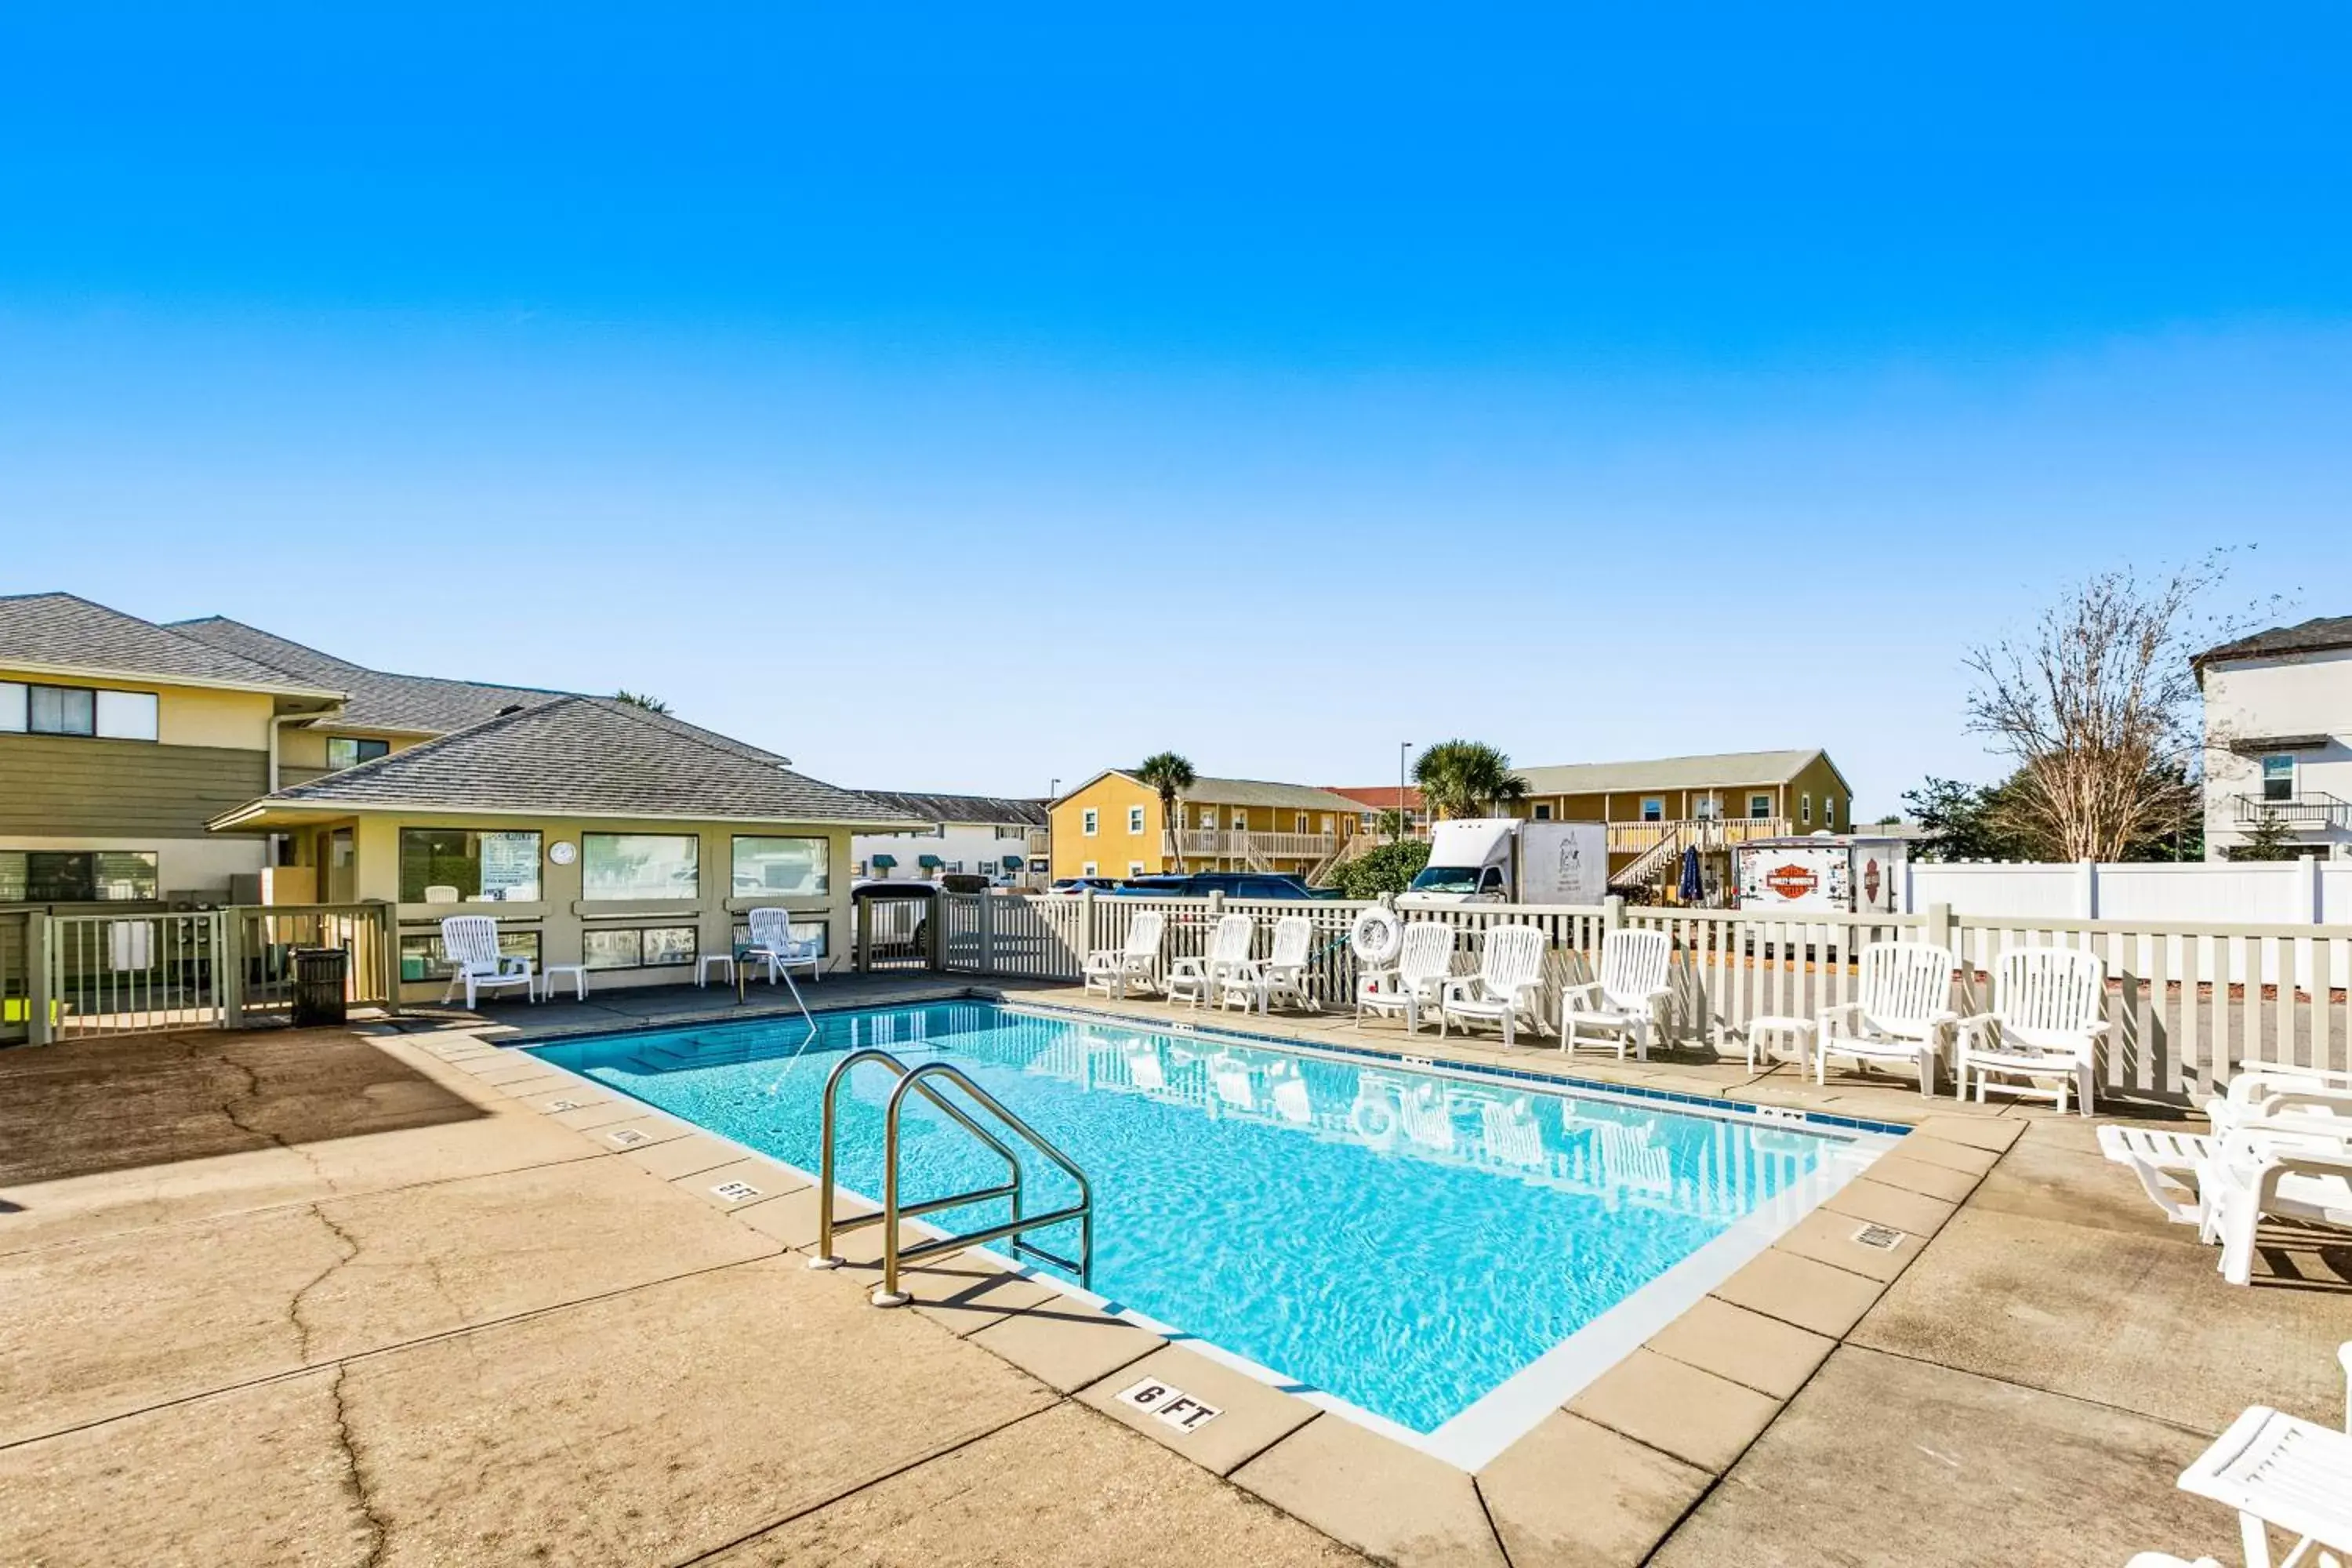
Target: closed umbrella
column 1690, row 890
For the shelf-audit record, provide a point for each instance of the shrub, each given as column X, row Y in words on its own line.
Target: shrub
column 1389, row 869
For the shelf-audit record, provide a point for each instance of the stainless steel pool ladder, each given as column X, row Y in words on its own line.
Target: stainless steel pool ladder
column 912, row 1080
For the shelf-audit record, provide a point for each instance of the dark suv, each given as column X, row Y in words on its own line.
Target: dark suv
column 1232, row 884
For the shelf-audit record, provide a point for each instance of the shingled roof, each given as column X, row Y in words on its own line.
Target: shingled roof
column 962, row 807
column 2317, row 635
column 67, row 631
column 378, row 699
column 587, row 756
column 1722, row 770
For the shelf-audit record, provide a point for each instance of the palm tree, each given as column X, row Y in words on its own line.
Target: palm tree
column 651, row 704
column 1467, row 778
column 1172, row 775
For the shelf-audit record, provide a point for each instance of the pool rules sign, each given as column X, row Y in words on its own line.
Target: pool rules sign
column 1172, row 1405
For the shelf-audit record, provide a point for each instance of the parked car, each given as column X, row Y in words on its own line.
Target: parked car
column 1232, row 884
column 1080, row 884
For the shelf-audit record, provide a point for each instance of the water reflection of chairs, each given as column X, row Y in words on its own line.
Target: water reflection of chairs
column 1144, row 1070
column 1428, row 1117
column 1231, row 1077
column 1632, row 1161
column 1288, row 1090
column 1509, row 1132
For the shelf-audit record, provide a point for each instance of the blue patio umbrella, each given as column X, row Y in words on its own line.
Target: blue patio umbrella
column 1691, row 890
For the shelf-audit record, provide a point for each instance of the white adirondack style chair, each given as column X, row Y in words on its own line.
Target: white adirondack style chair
column 1424, row 965
column 1282, row 972
column 470, row 944
column 774, row 944
column 1901, row 1016
column 1137, row 964
column 1196, row 978
column 1507, row 987
column 1623, row 1004
column 2044, row 1024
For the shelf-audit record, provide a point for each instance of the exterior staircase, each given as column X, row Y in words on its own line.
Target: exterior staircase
column 1646, row 868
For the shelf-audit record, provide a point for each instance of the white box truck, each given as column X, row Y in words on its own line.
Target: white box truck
column 1848, row 873
column 1503, row 860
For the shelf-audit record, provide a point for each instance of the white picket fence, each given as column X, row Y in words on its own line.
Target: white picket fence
column 2189, row 1002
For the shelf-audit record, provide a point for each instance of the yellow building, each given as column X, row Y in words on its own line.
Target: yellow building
column 1111, row 825
column 1656, row 808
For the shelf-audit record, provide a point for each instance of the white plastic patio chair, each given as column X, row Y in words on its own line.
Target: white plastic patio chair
column 1505, row 988
column 1137, row 964
column 774, row 944
column 1901, row 1015
column 2281, row 1470
column 2170, row 1164
column 1197, row 977
column 1424, row 965
column 1625, row 1004
column 1282, row 972
column 470, row 944
column 2047, row 1015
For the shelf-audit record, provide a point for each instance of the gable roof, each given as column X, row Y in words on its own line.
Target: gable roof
column 961, row 807
column 2315, row 636
column 1381, row 797
column 584, row 756
column 65, row 631
column 1723, row 770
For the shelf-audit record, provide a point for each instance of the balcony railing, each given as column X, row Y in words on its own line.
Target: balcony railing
column 1706, row 832
column 1217, row 842
column 2312, row 811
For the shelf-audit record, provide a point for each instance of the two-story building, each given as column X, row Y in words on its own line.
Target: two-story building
column 2278, row 738
column 1002, row 837
column 1657, row 808
column 119, row 739
column 1111, row 825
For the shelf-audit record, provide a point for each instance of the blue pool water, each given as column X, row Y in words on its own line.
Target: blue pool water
column 1404, row 1241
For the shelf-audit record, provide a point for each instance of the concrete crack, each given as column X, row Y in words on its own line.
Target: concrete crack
column 355, row 1474
column 253, row 1092
column 351, row 1249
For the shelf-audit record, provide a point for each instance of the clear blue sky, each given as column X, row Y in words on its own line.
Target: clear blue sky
column 958, row 398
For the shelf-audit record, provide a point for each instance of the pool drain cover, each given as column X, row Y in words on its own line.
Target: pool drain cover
column 1886, row 1238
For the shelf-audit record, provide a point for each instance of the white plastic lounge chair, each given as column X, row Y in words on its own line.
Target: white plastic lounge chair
column 1424, row 965
column 1196, row 979
column 2267, row 1093
column 1113, row 970
column 2044, row 1024
column 470, row 944
column 774, row 944
column 2169, row 1165
column 1623, row 1004
column 1902, row 1015
column 2257, row 1176
column 2281, row 1470
column 1505, row 988
column 1283, row 973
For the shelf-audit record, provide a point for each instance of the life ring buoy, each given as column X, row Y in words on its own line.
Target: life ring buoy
column 1377, row 936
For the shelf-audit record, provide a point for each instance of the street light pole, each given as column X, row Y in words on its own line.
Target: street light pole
column 1402, row 747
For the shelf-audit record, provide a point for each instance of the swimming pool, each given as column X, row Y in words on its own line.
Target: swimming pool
column 1445, row 1255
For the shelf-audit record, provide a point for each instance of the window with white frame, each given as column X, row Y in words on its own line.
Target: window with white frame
column 1760, row 805
column 1704, row 808
column 1653, row 808
column 1829, row 811
column 1087, row 870
column 1087, row 821
column 2278, row 776
column 1135, row 867
column 1134, row 820
column 1298, row 822
column 1241, row 820
column 1543, row 811
column 1209, row 816
column 1805, row 809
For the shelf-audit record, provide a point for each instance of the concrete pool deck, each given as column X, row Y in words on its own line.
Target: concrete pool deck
column 332, row 1297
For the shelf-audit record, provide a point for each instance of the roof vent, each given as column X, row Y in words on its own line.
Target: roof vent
column 510, row 708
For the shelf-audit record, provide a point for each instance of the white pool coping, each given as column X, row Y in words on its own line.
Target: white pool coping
column 1477, row 1434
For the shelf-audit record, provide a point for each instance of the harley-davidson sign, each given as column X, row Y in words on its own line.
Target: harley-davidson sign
column 1870, row 882
column 1792, row 882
